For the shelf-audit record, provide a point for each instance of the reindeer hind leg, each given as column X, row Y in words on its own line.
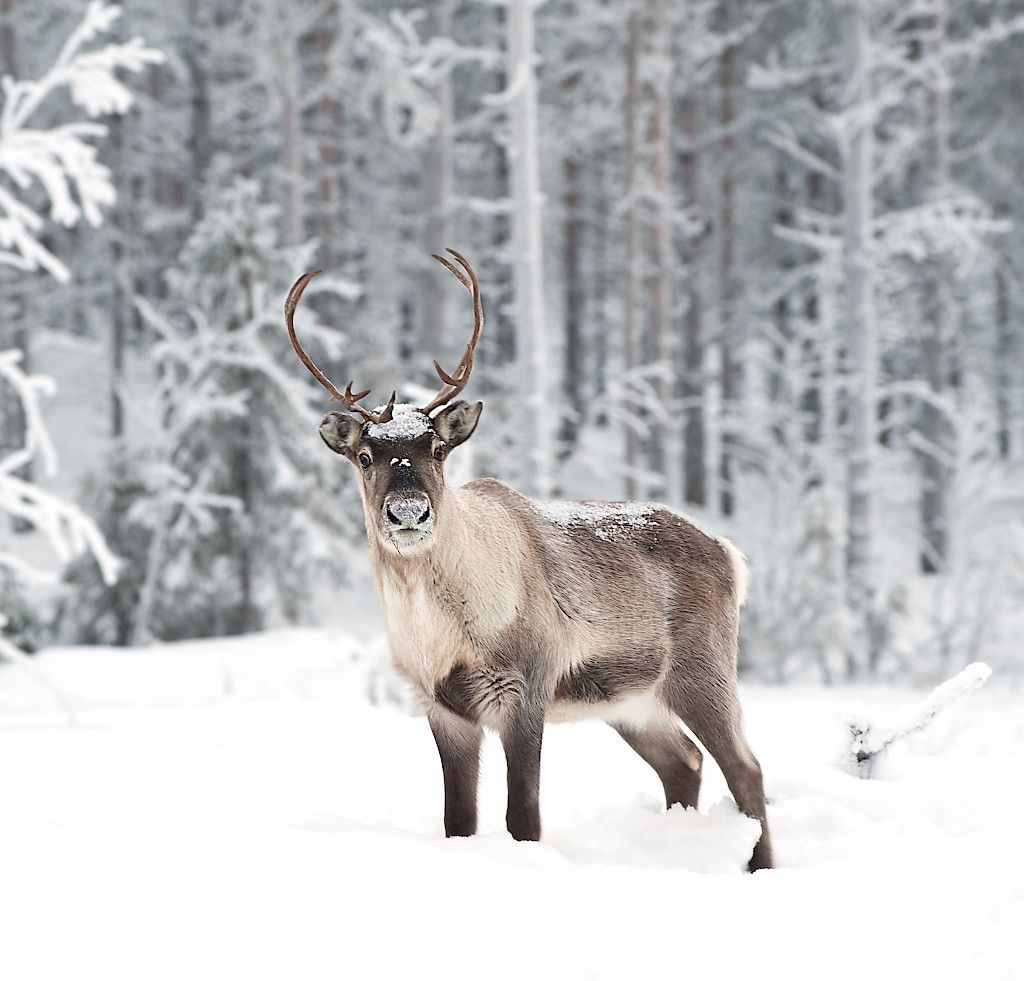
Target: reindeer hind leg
column 708, row 702
column 672, row 755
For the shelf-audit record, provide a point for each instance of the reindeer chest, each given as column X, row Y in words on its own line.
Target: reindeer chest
column 435, row 625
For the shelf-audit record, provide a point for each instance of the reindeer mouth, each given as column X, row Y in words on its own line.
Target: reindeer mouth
column 404, row 539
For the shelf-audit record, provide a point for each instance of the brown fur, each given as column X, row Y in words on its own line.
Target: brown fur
column 503, row 616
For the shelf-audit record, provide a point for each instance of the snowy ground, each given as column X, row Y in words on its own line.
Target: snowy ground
column 238, row 810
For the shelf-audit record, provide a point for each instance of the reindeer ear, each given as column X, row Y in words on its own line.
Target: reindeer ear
column 455, row 424
column 341, row 431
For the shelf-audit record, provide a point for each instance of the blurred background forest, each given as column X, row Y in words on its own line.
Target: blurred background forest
column 758, row 259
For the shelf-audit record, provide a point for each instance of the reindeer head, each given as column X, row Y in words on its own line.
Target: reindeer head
column 400, row 450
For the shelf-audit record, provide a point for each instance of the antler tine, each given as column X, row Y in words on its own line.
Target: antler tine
column 456, row 381
column 450, row 266
column 347, row 398
column 474, row 288
column 352, row 402
column 387, row 413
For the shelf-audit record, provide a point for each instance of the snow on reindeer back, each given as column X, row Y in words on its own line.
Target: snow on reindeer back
column 407, row 422
column 608, row 520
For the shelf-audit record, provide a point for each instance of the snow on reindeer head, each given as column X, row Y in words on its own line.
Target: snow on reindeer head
column 400, row 450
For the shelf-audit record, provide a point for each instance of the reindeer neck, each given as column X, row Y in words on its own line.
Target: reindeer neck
column 473, row 566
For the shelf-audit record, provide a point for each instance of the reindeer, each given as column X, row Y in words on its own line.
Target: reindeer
column 507, row 613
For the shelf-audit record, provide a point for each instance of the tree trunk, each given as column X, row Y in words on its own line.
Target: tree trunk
column 860, row 318
column 573, row 365
column 435, row 300
column 244, row 476
column 1005, row 383
column 291, row 128
column 572, row 245
column 630, row 358
column 935, row 476
column 200, row 140
column 665, row 439
column 527, row 248
column 598, row 201
column 120, row 282
column 694, row 437
column 723, row 465
column 330, row 119
column 649, row 291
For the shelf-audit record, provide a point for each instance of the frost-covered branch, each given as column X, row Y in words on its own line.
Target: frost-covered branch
column 868, row 743
column 62, row 160
column 67, row 530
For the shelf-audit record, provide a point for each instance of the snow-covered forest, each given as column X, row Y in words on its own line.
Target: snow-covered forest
column 758, row 259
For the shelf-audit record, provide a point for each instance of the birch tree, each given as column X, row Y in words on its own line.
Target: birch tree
column 527, row 246
column 857, row 156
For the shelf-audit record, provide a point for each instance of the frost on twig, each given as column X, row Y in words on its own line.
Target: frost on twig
column 868, row 743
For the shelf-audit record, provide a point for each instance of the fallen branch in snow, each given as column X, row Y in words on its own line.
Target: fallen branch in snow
column 867, row 744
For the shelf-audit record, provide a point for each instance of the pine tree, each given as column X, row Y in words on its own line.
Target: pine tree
column 237, row 502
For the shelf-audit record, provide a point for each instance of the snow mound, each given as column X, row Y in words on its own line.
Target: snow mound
column 407, row 422
column 717, row 842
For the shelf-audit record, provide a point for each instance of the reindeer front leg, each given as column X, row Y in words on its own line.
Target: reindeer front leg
column 458, row 745
column 521, row 737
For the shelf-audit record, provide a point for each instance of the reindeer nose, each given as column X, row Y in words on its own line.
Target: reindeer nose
column 407, row 512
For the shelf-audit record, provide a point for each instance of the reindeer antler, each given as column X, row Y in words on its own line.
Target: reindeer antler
column 453, row 383
column 456, row 381
column 349, row 399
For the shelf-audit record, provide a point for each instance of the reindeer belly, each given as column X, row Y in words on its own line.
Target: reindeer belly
column 489, row 696
column 620, row 688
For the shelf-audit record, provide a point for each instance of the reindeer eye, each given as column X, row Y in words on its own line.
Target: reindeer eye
column 364, row 460
column 438, row 452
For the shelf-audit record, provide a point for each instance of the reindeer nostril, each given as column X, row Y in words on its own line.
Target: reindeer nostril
column 407, row 512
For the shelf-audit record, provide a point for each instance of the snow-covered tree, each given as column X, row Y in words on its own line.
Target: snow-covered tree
column 780, row 281
column 238, row 502
column 56, row 163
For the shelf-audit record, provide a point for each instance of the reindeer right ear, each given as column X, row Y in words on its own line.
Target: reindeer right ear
column 341, row 432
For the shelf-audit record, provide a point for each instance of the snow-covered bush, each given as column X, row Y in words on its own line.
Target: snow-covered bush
column 796, row 618
column 92, row 609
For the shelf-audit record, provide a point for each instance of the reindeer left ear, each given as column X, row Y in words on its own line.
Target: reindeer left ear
column 341, row 431
column 455, row 424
